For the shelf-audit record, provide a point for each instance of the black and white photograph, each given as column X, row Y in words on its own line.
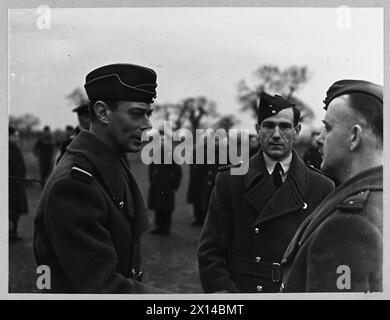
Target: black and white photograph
column 175, row 149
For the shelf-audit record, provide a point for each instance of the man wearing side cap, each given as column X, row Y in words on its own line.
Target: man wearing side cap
column 339, row 248
column 253, row 217
column 91, row 213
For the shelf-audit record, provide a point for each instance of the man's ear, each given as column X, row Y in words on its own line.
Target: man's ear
column 101, row 111
column 356, row 136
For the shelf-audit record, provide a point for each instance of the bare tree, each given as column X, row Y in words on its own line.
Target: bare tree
column 77, row 97
column 226, row 122
column 25, row 123
column 272, row 79
column 191, row 111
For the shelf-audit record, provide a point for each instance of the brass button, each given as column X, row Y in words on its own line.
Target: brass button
column 258, row 259
column 259, row 288
column 257, row 230
column 304, row 207
column 121, row 204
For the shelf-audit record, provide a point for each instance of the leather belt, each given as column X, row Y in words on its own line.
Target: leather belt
column 267, row 270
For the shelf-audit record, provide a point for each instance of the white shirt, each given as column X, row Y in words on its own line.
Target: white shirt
column 285, row 163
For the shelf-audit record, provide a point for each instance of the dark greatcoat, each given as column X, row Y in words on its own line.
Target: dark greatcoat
column 87, row 229
column 164, row 181
column 345, row 230
column 249, row 225
column 17, row 200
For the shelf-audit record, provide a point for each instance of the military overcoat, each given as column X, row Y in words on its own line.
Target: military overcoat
column 249, row 225
column 89, row 221
column 339, row 248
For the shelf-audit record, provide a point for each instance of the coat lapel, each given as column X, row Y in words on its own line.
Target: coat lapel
column 268, row 202
column 138, row 209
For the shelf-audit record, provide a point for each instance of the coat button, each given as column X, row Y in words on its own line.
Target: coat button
column 304, row 207
column 257, row 230
column 259, row 288
column 258, row 259
column 121, row 204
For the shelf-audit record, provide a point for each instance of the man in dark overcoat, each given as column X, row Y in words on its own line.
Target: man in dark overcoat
column 253, row 217
column 164, row 181
column 44, row 151
column 91, row 214
column 340, row 247
column 17, row 199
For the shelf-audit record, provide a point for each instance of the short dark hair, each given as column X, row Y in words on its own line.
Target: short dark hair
column 371, row 110
column 113, row 105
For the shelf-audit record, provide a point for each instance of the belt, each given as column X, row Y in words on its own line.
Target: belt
column 267, row 270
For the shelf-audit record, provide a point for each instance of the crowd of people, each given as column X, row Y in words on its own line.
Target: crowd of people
column 287, row 225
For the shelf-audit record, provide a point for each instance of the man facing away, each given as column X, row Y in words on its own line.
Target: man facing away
column 339, row 248
column 253, row 217
column 91, row 213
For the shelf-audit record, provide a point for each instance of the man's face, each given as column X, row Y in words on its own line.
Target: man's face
column 334, row 140
column 127, row 123
column 277, row 133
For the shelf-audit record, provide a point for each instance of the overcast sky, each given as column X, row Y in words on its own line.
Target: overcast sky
column 195, row 51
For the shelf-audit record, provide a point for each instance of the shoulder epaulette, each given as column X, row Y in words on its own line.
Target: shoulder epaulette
column 354, row 202
column 225, row 167
column 82, row 169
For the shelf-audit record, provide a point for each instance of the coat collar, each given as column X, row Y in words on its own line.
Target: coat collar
column 111, row 168
column 371, row 178
column 104, row 159
column 368, row 178
column 261, row 193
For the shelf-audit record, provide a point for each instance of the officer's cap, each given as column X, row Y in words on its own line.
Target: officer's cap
column 271, row 105
column 342, row 87
column 121, row 82
column 81, row 109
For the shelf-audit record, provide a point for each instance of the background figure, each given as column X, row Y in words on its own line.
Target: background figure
column 208, row 180
column 84, row 122
column 312, row 155
column 83, row 116
column 17, row 199
column 69, row 136
column 197, row 174
column 254, row 145
column 44, row 150
column 164, row 181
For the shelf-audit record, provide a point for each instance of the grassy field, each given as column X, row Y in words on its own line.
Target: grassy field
column 168, row 262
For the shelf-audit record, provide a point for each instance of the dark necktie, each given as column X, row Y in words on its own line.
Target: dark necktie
column 276, row 175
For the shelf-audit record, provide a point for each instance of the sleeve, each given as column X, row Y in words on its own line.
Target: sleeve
column 75, row 220
column 345, row 255
column 214, row 242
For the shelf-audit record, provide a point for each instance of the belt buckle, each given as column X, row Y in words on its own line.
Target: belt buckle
column 276, row 276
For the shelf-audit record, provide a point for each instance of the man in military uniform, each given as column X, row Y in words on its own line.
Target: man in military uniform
column 339, row 248
column 44, row 150
column 83, row 116
column 84, row 123
column 91, row 213
column 253, row 217
column 164, row 181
